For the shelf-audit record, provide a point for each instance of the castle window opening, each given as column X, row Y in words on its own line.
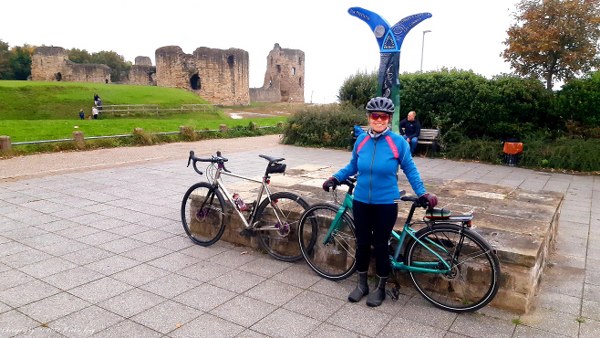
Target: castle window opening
column 58, row 76
column 293, row 71
column 278, row 68
column 195, row 82
column 230, row 60
column 300, row 82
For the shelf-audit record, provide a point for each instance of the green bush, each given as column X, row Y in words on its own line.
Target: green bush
column 539, row 152
column 323, row 126
column 563, row 153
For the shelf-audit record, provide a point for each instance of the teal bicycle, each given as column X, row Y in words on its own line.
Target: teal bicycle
column 450, row 264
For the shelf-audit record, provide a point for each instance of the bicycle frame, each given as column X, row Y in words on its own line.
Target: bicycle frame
column 401, row 237
column 344, row 207
column 219, row 184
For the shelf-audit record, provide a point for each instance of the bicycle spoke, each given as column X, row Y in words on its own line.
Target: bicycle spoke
column 202, row 214
column 472, row 280
column 277, row 225
column 334, row 257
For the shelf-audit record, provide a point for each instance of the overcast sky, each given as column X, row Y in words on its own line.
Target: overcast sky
column 465, row 34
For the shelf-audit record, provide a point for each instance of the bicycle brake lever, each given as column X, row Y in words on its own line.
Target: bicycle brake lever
column 190, row 158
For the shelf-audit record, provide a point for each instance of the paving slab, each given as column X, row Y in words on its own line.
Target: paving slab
column 58, row 206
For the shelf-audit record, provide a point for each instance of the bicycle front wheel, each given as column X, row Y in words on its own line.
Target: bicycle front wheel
column 277, row 225
column 472, row 280
column 202, row 214
column 331, row 256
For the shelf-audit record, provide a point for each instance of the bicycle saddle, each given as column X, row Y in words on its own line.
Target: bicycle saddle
column 272, row 159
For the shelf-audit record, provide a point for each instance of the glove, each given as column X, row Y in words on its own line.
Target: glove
column 330, row 183
column 429, row 200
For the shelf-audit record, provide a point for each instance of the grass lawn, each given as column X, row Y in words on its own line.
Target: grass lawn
column 32, row 111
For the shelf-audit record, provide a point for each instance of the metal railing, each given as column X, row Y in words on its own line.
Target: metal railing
column 154, row 109
column 5, row 142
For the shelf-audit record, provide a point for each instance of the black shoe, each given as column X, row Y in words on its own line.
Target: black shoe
column 377, row 296
column 361, row 290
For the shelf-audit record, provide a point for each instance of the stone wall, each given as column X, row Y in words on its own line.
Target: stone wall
column 219, row 76
column 265, row 94
column 52, row 64
column 224, row 75
column 284, row 74
column 143, row 61
column 142, row 72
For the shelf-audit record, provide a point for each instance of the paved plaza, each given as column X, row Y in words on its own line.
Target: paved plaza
column 91, row 245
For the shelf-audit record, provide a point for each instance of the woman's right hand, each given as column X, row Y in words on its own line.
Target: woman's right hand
column 330, row 183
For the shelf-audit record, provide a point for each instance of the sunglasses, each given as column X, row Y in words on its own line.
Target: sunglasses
column 376, row 116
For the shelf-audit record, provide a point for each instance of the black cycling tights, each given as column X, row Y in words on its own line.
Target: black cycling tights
column 374, row 224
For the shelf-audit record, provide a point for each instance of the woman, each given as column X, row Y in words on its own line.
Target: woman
column 376, row 156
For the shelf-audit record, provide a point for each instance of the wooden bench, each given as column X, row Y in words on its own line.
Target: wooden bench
column 428, row 137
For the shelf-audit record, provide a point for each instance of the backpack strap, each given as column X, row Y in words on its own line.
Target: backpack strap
column 389, row 140
column 362, row 143
column 392, row 145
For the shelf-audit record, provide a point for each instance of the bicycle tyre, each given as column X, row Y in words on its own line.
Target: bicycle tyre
column 281, row 243
column 206, row 226
column 473, row 280
column 335, row 260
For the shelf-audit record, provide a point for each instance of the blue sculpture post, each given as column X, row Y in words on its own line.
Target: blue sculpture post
column 390, row 41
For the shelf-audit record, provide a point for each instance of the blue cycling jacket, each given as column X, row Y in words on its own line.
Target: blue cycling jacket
column 377, row 169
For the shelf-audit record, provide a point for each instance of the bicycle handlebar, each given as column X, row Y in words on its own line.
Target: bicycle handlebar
column 415, row 200
column 220, row 160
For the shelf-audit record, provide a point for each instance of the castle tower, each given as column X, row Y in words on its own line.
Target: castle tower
column 219, row 76
column 284, row 78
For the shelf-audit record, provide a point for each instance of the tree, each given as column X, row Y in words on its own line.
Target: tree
column 4, row 57
column 554, row 39
column 358, row 89
column 79, row 55
column 119, row 67
column 20, row 62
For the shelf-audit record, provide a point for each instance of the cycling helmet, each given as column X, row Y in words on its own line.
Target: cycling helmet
column 382, row 104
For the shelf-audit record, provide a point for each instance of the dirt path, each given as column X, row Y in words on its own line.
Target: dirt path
column 37, row 165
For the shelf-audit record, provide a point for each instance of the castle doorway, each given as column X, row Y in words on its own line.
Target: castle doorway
column 58, row 76
column 195, row 82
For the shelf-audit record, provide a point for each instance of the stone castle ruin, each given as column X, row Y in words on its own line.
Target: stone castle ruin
column 284, row 78
column 219, row 76
column 53, row 64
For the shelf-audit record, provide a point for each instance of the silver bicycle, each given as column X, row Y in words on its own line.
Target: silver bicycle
column 273, row 219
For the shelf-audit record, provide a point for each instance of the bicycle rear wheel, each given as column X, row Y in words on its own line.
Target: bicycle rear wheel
column 472, row 281
column 277, row 225
column 333, row 258
column 202, row 214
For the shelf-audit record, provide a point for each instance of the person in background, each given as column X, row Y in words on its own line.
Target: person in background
column 95, row 112
column 81, row 114
column 376, row 157
column 410, row 128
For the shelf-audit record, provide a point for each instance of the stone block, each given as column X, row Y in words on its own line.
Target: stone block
column 5, row 144
column 520, row 225
column 78, row 139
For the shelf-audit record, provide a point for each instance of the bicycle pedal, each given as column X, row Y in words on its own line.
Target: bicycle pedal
column 248, row 233
column 394, row 293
